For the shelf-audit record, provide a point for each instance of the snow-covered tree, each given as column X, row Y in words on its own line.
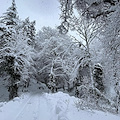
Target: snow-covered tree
column 29, row 30
column 111, row 43
column 15, row 53
column 90, row 8
column 51, row 47
column 82, row 18
column 10, row 18
column 16, row 58
column 87, row 30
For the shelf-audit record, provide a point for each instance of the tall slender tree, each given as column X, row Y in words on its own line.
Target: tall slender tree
column 16, row 54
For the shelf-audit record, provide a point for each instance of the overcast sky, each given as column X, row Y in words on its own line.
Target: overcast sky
column 45, row 12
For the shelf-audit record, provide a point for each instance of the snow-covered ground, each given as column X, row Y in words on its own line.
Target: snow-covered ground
column 58, row 106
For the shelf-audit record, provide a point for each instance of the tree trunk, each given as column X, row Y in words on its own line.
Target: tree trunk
column 13, row 91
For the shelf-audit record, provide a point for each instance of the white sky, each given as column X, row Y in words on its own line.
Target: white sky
column 45, row 12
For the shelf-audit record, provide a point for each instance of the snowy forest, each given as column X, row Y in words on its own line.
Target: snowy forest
column 85, row 64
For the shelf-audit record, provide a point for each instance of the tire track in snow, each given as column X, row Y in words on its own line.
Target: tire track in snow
column 36, row 111
column 23, row 108
column 30, row 110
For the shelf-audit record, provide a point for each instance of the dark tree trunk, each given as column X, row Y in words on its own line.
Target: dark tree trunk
column 13, row 91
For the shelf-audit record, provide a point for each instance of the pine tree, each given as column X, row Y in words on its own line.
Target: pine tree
column 9, row 21
column 10, row 17
column 16, row 54
column 29, row 30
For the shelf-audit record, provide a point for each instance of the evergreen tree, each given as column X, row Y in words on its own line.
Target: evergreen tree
column 10, row 17
column 98, row 78
column 16, row 54
column 9, row 22
column 29, row 30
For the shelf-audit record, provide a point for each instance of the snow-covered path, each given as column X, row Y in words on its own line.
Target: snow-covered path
column 34, row 109
column 58, row 106
column 31, row 107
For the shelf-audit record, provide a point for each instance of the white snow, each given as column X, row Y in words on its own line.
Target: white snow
column 58, row 106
